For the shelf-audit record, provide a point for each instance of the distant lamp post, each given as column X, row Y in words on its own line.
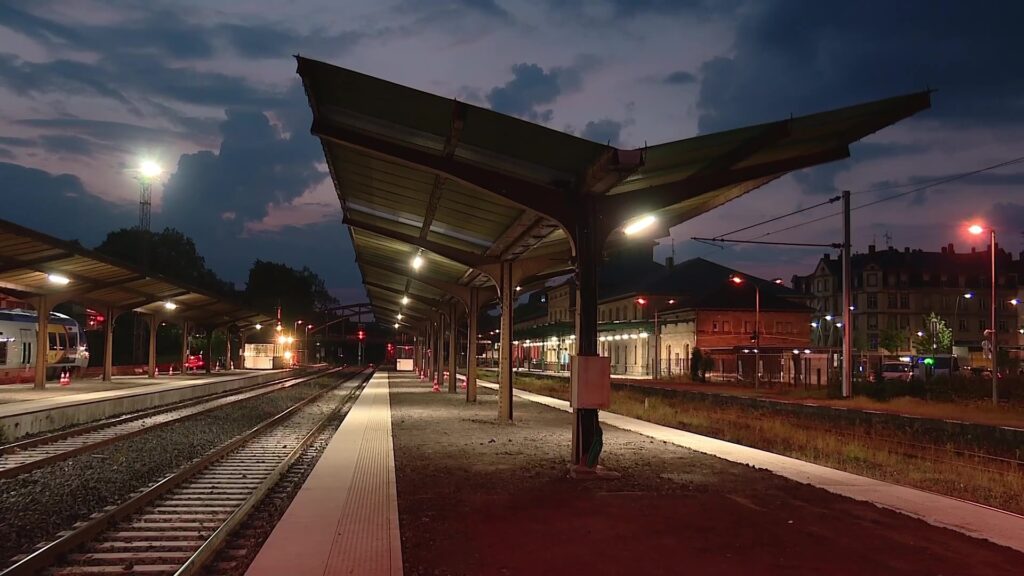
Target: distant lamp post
column 956, row 310
column 739, row 280
column 977, row 229
column 147, row 172
column 656, row 368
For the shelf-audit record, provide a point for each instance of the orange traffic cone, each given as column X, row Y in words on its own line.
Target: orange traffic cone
column 65, row 377
column 437, row 387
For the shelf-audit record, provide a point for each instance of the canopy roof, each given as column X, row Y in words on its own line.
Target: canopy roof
column 467, row 187
column 28, row 258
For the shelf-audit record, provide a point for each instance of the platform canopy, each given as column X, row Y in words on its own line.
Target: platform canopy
column 30, row 261
column 465, row 187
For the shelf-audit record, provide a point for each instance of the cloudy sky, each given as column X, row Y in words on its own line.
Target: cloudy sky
column 208, row 88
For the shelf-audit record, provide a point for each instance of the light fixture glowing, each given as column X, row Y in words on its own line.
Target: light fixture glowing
column 920, row 333
column 796, row 351
column 278, row 327
column 396, row 325
column 58, row 279
column 641, row 300
column 807, row 350
column 405, row 300
column 736, row 279
column 779, row 281
column 288, row 355
column 814, row 324
column 150, row 169
column 975, row 229
column 417, row 261
column 969, row 295
column 399, row 316
column 671, row 300
column 280, row 339
column 828, row 317
column 1014, row 301
column 170, row 305
column 639, row 224
column 839, row 324
column 518, row 288
column 259, row 326
column 291, row 339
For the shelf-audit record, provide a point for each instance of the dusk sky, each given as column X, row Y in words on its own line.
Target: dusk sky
column 208, row 88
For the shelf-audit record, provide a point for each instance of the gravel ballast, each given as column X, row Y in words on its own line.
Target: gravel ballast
column 35, row 507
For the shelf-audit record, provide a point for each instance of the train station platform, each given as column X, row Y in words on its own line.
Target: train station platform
column 25, row 410
column 344, row 519
column 474, row 496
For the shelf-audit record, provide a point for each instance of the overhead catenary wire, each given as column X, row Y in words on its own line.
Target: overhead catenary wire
column 917, row 188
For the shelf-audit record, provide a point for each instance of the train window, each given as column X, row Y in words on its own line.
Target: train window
column 72, row 341
column 53, row 341
column 3, row 352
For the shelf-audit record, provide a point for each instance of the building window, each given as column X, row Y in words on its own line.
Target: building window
column 872, row 341
column 872, row 279
column 962, row 325
column 872, row 321
column 873, row 302
column 746, row 327
column 981, row 326
column 892, row 301
column 1002, row 326
column 905, row 301
column 726, row 327
column 714, row 326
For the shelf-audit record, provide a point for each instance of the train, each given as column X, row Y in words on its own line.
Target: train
column 67, row 350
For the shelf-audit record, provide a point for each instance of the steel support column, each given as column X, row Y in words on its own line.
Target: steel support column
column 208, row 364
column 471, row 324
column 154, row 322
column 227, row 348
column 453, row 352
column 108, row 344
column 586, row 437
column 184, row 344
column 508, row 299
column 42, row 339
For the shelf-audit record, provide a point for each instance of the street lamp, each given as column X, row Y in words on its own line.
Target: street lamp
column 977, row 229
column 656, row 369
column 956, row 310
column 739, row 280
column 305, row 344
column 295, row 326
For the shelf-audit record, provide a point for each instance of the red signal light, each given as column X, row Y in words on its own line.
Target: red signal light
column 361, row 335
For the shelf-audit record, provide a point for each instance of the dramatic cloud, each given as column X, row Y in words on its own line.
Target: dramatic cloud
column 842, row 53
column 531, row 88
column 605, row 131
column 680, row 78
column 58, row 202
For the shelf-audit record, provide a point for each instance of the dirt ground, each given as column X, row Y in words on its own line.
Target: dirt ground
column 478, row 498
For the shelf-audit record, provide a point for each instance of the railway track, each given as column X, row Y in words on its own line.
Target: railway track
column 179, row 524
column 28, row 455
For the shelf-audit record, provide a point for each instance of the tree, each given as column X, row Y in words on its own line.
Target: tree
column 169, row 253
column 301, row 294
column 892, row 339
column 696, row 365
column 935, row 337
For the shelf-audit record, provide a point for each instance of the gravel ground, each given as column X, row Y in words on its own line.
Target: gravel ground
column 477, row 497
column 36, row 506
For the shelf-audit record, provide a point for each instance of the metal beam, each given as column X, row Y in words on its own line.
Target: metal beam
column 548, row 199
column 462, row 257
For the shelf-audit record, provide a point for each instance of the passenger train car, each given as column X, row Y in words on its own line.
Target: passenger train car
column 66, row 346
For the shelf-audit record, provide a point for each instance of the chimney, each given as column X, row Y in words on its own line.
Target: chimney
column 871, row 248
column 906, row 249
column 974, row 250
column 951, row 250
column 670, row 261
column 944, row 251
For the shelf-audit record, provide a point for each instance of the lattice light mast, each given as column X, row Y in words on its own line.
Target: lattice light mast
column 148, row 171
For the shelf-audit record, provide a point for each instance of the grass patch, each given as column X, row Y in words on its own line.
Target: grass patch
column 843, row 447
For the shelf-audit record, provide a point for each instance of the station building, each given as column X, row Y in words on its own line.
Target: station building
column 653, row 315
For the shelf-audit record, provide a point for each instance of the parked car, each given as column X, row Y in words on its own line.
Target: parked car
column 897, row 371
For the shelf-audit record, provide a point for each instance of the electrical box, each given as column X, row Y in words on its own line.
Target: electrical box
column 591, row 378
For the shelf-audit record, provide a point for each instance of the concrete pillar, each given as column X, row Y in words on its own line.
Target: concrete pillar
column 42, row 340
column 508, row 299
column 439, row 351
column 587, row 435
column 472, row 314
column 453, row 351
column 184, row 344
column 108, row 344
column 154, row 323
column 241, row 349
column 431, row 350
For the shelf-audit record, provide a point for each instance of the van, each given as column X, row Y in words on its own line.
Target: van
column 935, row 365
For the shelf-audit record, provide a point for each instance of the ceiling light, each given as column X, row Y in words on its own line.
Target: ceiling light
column 405, row 299
column 259, row 326
column 170, row 305
column 58, row 279
column 417, row 261
column 639, row 224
